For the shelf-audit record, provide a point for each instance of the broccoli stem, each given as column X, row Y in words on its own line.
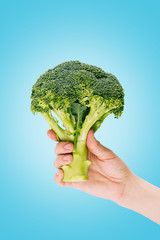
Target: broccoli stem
column 65, row 118
column 77, row 171
column 61, row 133
column 90, row 119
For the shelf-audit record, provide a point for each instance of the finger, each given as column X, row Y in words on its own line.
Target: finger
column 63, row 147
column 51, row 134
column 58, row 179
column 62, row 160
column 97, row 148
column 78, row 185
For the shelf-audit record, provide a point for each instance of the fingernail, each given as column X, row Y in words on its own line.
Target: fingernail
column 68, row 146
column 65, row 158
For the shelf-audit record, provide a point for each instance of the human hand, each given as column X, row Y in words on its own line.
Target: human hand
column 108, row 175
column 110, row 178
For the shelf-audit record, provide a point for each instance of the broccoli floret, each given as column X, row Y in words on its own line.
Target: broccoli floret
column 82, row 96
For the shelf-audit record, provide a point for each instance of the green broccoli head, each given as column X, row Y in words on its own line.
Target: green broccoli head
column 82, row 96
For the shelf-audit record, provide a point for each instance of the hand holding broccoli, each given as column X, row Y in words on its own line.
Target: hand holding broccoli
column 107, row 175
column 82, row 96
column 110, row 178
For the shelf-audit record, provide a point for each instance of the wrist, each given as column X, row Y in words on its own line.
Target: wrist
column 131, row 191
column 142, row 197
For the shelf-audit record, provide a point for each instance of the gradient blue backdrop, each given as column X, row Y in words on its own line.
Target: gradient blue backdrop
column 122, row 37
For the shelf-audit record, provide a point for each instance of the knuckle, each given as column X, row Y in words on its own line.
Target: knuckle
column 55, row 164
column 59, row 148
column 56, row 148
column 56, row 181
column 98, row 143
column 110, row 152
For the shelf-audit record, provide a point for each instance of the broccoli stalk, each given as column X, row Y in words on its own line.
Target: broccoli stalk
column 82, row 96
column 78, row 169
column 53, row 123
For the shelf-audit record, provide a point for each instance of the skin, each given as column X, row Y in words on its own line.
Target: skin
column 109, row 178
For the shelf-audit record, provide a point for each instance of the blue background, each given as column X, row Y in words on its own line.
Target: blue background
column 122, row 37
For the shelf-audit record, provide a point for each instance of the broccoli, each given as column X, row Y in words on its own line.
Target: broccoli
column 82, row 96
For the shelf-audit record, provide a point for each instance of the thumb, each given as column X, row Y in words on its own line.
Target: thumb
column 97, row 148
